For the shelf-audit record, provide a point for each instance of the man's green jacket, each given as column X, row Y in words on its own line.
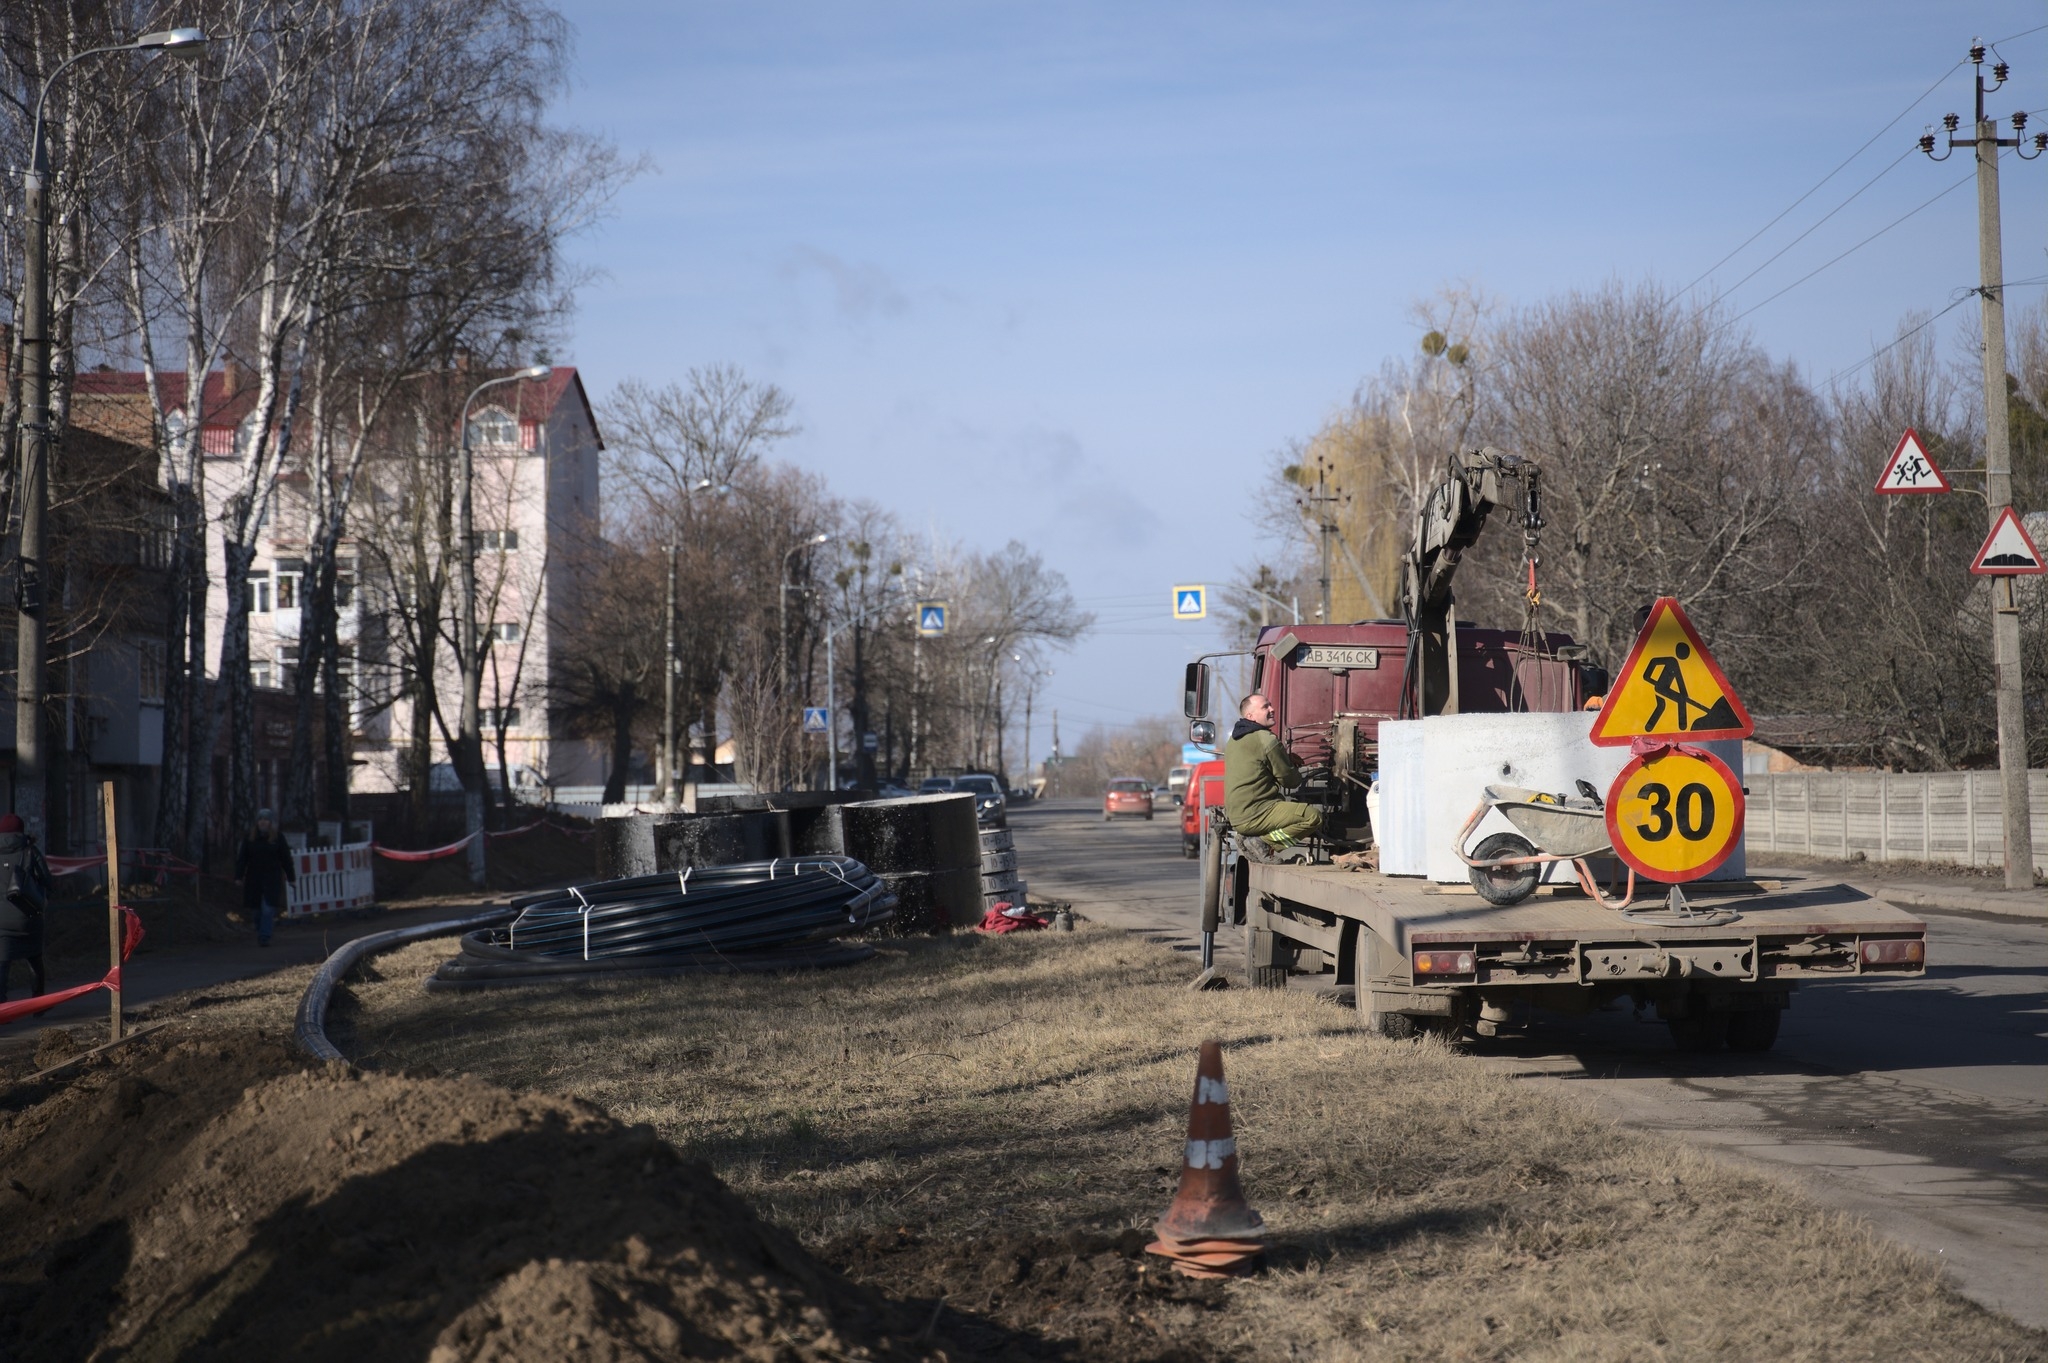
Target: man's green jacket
column 1256, row 768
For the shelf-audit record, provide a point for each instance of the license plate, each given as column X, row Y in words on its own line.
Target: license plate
column 1337, row 655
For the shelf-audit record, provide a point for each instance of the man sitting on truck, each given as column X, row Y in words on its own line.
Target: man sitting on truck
column 1256, row 768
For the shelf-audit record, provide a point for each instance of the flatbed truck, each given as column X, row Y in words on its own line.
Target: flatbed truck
column 1422, row 959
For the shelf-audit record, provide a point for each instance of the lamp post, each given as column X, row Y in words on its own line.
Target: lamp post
column 467, row 654
column 30, row 765
column 671, row 773
column 782, row 609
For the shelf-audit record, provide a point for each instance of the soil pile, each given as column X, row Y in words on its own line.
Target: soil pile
column 209, row 1199
column 1102, row 1292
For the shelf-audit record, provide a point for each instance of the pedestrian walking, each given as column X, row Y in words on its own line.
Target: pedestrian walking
column 24, row 892
column 264, row 866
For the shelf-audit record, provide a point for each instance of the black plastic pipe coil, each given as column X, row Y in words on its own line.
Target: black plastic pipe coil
column 756, row 915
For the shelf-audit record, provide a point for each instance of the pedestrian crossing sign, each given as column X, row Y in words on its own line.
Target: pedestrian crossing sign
column 931, row 618
column 1190, row 603
column 817, row 719
column 1670, row 687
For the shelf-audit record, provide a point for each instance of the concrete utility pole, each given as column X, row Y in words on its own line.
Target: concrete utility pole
column 1984, row 142
column 1318, row 504
column 31, row 655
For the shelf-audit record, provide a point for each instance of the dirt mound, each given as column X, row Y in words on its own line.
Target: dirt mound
column 209, row 1199
column 1101, row 1292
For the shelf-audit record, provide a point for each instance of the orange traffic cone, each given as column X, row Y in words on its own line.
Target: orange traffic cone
column 1210, row 1231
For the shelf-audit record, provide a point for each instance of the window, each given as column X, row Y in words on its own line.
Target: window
column 498, row 541
column 288, row 575
column 259, row 673
column 506, row 632
column 149, row 671
column 287, row 666
column 257, row 602
column 500, row 717
column 493, row 426
column 344, row 589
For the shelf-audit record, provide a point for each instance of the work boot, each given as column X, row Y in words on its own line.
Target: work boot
column 1256, row 849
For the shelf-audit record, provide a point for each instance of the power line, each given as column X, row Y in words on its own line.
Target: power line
column 1818, row 221
column 1844, row 255
column 1831, row 175
column 1962, row 296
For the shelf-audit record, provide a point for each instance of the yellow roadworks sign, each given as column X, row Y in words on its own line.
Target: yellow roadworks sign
column 1670, row 687
column 1675, row 816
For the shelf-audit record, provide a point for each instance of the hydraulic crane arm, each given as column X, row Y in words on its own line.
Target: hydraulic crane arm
column 1448, row 524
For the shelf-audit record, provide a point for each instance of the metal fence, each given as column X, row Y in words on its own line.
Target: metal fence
column 1889, row 816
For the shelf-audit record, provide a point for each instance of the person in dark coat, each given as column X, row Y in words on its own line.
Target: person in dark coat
column 264, row 866
column 24, row 872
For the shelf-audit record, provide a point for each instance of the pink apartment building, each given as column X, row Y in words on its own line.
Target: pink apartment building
column 535, row 448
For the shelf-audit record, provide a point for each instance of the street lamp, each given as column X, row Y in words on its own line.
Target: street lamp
column 672, row 776
column 30, row 642
column 467, row 655
column 782, row 624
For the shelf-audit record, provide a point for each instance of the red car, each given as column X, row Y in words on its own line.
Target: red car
column 1129, row 796
column 1204, row 793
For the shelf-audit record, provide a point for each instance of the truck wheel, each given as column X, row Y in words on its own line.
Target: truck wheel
column 1392, row 1026
column 1505, row 884
column 1700, row 1032
column 1261, row 976
column 1753, row 1030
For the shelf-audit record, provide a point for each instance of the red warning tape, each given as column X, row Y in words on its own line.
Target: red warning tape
column 450, row 850
column 131, row 937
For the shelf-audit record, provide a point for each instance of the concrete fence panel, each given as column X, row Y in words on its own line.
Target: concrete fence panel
column 1954, row 817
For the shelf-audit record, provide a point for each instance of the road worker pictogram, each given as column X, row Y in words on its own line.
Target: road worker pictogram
column 1670, row 687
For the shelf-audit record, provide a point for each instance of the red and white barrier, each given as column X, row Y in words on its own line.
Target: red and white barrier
column 331, row 879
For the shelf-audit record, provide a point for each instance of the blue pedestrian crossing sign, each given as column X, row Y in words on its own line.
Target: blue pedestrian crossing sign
column 817, row 719
column 1190, row 603
column 931, row 618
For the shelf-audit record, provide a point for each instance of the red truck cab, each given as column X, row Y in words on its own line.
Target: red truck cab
column 1204, row 792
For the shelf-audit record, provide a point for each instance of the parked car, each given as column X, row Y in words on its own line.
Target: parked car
column 1127, row 797
column 888, row 788
column 1177, row 783
column 935, row 785
column 1204, row 793
column 989, row 806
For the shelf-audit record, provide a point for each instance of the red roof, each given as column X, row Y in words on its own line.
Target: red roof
column 537, row 399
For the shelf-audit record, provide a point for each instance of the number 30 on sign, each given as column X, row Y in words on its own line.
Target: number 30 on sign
column 1674, row 816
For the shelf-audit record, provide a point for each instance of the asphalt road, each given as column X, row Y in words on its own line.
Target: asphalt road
column 1920, row 1105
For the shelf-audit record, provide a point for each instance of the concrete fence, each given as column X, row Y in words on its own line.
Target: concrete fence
column 1889, row 816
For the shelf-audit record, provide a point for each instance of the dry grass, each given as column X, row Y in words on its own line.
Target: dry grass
column 1420, row 1206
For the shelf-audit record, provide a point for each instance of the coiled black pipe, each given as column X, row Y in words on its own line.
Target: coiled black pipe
column 760, row 915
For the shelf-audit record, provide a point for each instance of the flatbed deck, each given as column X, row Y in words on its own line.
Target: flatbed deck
column 1408, row 911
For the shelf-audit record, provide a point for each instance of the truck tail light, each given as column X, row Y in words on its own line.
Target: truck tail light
column 1894, row 951
column 1443, row 963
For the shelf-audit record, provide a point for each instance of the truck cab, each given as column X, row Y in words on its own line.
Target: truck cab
column 1332, row 685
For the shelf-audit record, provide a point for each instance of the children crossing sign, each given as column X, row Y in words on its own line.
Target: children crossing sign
column 1911, row 468
column 1190, row 603
column 931, row 618
column 2009, row 551
column 1670, row 687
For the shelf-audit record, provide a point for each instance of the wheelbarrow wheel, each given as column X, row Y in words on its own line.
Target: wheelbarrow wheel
column 1504, row 884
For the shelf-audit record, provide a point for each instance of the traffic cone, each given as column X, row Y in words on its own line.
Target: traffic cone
column 1210, row 1231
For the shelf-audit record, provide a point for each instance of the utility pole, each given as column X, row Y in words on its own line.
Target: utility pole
column 671, row 784
column 1318, row 504
column 1984, row 142
column 31, row 654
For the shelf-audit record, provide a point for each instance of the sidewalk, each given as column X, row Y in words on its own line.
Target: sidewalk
column 150, row 976
column 1929, row 891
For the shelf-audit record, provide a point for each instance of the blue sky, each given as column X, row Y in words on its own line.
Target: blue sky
column 1071, row 273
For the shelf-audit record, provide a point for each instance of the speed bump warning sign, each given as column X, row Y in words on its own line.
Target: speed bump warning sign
column 1670, row 687
column 1675, row 815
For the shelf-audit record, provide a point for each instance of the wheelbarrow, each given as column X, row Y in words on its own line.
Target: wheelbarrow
column 1507, row 866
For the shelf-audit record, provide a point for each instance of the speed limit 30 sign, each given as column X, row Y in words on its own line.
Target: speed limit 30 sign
column 1674, row 815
